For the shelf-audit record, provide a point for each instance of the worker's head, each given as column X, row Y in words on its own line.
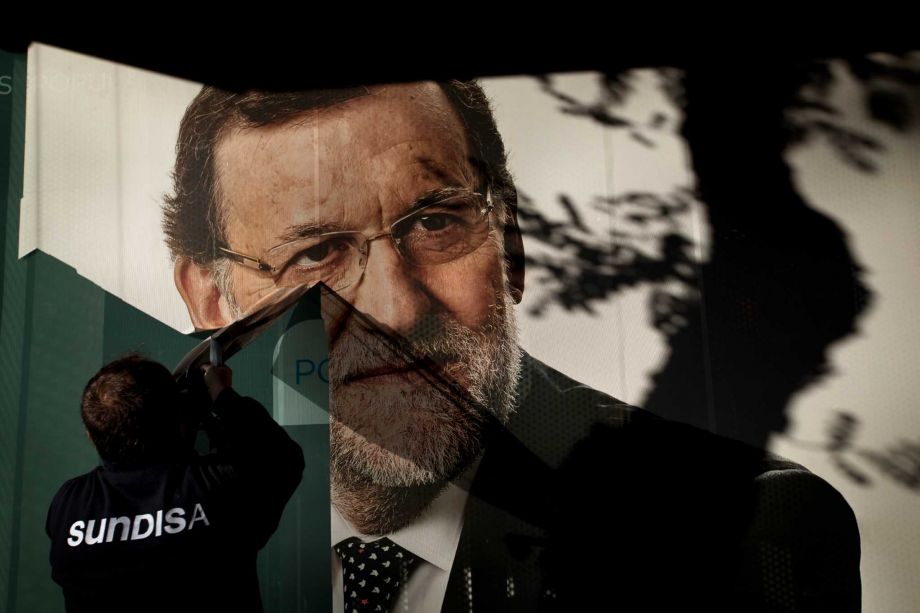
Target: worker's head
column 131, row 410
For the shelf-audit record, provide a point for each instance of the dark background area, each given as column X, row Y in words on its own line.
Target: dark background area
column 331, row 50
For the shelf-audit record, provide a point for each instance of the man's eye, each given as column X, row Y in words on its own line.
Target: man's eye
column 321, row 252
column 436, row 221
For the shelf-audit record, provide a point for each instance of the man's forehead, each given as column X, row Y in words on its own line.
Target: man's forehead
column 389, row 141
column 386, row 117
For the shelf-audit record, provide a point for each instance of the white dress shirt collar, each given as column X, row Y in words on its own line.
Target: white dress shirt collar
column 434, row 535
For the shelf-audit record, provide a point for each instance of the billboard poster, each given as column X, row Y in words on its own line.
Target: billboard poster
column 623, row 340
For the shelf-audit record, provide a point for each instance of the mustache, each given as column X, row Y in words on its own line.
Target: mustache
column 362, row 351
column 434, row 351
column 448, row 361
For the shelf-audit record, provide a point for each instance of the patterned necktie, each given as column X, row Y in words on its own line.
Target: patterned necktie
column 372, row 573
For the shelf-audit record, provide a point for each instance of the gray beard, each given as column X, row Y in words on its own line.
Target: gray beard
column 424, row 430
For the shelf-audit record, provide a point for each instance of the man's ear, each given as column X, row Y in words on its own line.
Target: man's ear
column 514, row 254
column 206, row 306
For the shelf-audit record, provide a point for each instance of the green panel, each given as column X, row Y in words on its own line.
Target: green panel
column 129, row 330
column 12, row 125
column 64, row 340
column 295, row 566
column 14, row 306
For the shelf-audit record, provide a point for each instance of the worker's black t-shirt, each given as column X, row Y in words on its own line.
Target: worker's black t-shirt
column 180, row 534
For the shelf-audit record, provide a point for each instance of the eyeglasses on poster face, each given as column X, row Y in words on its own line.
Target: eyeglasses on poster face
column 454, row 224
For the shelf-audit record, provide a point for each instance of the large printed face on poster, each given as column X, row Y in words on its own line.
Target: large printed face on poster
column 385, row 196
column 669, row 263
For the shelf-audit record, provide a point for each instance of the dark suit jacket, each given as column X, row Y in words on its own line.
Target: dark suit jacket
column 585, row 503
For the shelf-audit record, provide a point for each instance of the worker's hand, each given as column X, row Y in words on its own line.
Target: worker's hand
column 217, row 378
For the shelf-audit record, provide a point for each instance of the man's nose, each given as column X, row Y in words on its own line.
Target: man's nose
column 389, row 290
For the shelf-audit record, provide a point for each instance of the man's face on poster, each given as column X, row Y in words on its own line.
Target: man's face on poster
column 366, row 166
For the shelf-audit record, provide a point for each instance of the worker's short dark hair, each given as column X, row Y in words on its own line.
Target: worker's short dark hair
column 131, row 410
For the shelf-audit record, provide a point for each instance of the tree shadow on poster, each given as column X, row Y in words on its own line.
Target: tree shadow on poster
column 751, row 327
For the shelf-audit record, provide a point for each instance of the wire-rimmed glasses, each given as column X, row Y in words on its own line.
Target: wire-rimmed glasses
column 455, row 223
